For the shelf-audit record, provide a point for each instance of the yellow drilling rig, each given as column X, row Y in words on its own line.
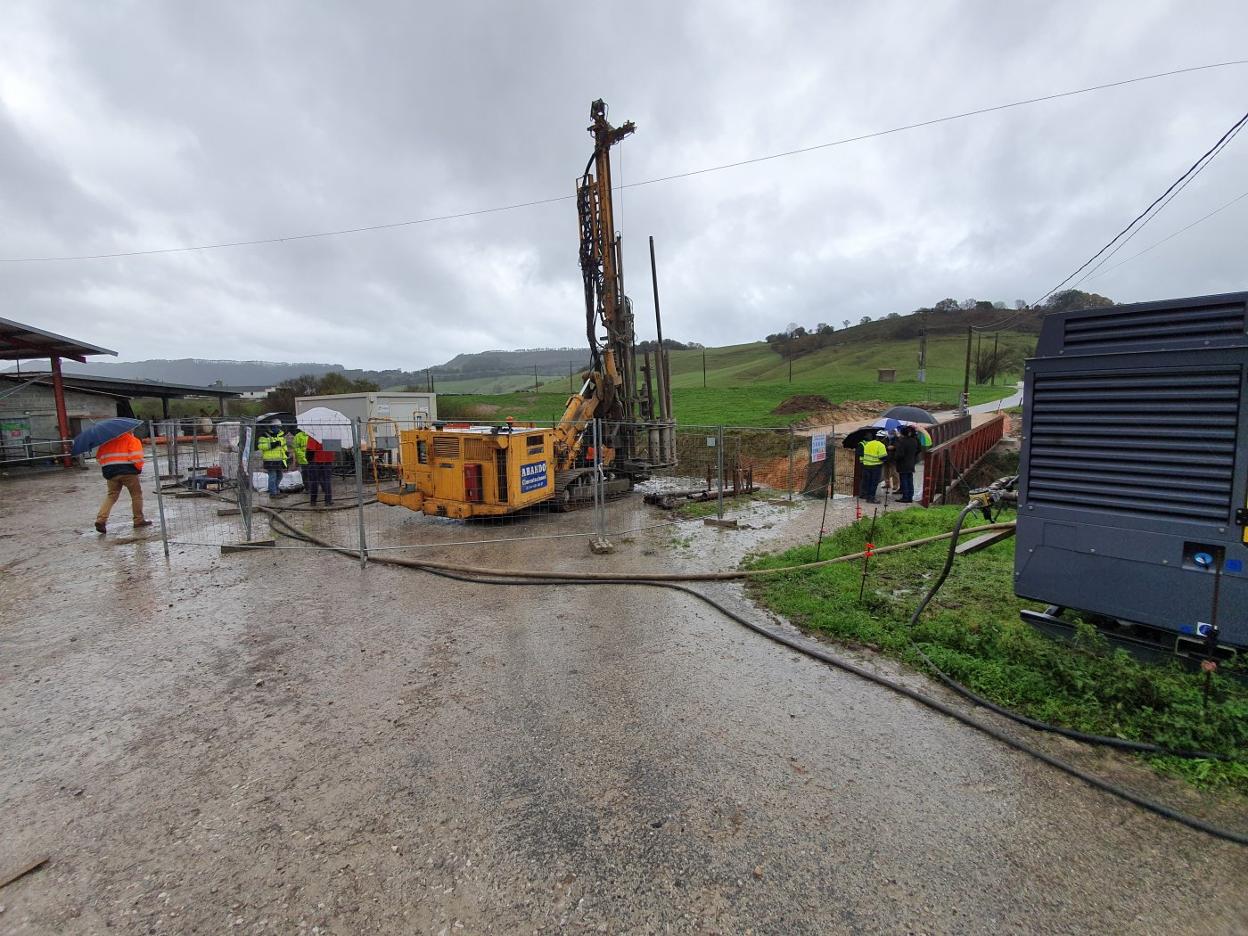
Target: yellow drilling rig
column 468, row 471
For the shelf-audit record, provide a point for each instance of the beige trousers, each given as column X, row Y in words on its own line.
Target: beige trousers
column 130, row 483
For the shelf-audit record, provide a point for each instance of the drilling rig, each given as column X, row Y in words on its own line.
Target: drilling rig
column 467, row 471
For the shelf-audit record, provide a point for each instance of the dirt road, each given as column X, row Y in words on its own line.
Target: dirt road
column 281, row 742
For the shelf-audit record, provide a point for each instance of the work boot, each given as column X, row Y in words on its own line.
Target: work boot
column 138, row 524
column 99, row 527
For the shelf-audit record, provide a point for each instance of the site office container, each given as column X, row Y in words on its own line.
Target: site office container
column 1134, row 469
column 399, row 410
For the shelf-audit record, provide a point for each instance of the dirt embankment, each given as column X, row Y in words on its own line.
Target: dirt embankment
column 820, row 411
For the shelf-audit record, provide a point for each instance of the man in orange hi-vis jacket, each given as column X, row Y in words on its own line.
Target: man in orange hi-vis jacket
column 121, row 461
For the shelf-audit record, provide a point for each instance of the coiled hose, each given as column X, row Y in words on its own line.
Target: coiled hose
column 484, row 577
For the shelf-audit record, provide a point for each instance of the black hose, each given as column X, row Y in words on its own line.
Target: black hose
column 819, row 653
column 1122, row 744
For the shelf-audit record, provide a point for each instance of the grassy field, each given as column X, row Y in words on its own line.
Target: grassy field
column 506, row 383
column 854, row 362
column 742, row 405
column 744, row 383
column 972, row 631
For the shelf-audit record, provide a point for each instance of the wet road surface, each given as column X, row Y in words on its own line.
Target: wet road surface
column 282, row 742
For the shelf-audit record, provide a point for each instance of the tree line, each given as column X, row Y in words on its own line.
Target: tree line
column 797, row 340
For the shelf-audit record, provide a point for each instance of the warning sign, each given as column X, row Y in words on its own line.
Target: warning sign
column 818, row 447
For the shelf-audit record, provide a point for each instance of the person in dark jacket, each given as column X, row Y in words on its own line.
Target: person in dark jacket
column 905, row 455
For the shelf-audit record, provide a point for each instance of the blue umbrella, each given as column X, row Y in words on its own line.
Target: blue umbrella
column 96, row 435
column 888, row 423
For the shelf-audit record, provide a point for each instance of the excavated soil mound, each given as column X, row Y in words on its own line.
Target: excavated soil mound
column 827, row 412
column 802, row 403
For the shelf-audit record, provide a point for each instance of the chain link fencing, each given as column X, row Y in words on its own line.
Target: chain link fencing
column 376, row 486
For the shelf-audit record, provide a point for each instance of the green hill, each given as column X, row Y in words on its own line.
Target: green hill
column 745, row 383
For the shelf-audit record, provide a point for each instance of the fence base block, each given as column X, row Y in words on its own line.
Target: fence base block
column 723, row 524
column 229, row 512
column 243, row 547
column 601, row 546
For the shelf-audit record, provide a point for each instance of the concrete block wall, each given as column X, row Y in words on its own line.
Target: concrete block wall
column 38, row 404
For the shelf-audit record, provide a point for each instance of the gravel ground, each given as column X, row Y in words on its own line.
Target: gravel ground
column 282, row 742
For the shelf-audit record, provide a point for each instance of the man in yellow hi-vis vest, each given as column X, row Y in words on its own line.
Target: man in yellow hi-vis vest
column 872, row 453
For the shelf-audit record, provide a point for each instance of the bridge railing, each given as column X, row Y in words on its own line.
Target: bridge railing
column 946, row 463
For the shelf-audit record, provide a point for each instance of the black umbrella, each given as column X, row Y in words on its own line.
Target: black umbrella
column 912, row 414
column 853, row 439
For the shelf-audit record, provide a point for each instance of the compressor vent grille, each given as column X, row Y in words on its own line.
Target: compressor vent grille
column 1151, row 444
column 1154, row 329
column 445, row 446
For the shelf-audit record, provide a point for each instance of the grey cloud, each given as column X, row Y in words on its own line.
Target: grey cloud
column 132, row 126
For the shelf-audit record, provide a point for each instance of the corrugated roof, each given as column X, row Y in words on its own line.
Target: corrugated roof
column 20, row 342
column 128, row 388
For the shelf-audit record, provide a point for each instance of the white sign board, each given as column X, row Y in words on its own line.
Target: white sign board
column 818, row 447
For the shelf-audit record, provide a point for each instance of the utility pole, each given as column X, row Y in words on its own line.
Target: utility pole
column 428, row 380
column 979, row 356
column 995, row 338
column 923, row 356
column 571, row 386
column 535, row 378
column 704, row 368
column 966, row 379
column 790, row 368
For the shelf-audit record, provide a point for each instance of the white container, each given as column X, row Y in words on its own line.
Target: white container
column 384, row 414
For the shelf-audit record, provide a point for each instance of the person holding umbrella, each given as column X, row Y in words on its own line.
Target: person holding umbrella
column 905, row 456
column 318, row 426
column 120, row 457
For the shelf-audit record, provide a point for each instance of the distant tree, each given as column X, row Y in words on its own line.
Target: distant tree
column 1069, row 299
column 966, row 305
column 284, row 395
column 823, row 328
column 864, row 320
column 946, row 305
column 1020, row 304
column 845, row 323
column 983, row 305
column 990, row 363
column 893, row 315
column 998, row 304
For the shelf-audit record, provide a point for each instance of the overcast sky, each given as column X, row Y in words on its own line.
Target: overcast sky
column 133, row 126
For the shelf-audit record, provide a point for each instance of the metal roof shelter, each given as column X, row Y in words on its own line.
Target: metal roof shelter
column 20, row 342
column 121, row 387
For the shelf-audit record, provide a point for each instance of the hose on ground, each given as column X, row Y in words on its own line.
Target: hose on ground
column 728, row 576
column 1122, row 744
column 818, row 653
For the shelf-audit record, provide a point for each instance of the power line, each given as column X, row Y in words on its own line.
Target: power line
column 1226, row 141
column 934, row 121
column 1237, row 198
column 1193, row 168
column 668, row 178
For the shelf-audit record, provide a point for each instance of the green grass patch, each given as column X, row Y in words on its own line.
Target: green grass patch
column 972, row 631
column 743, row 405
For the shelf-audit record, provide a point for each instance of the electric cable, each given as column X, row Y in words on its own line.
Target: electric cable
column 668, row 178
column 818, row 653
column 1162, row 207
column 1190, row 170
column 1182, row 230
